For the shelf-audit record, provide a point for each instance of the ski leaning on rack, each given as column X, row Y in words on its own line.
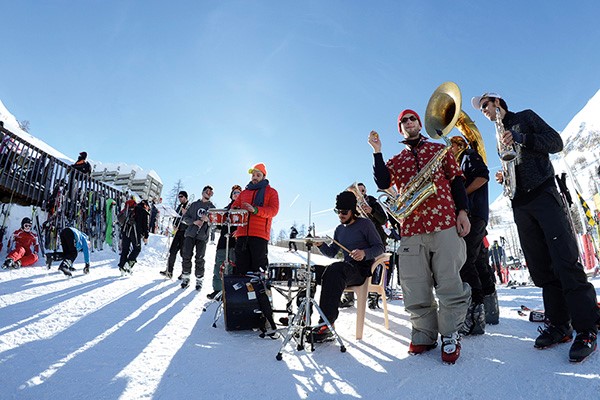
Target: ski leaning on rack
column 38, row 230
column 4, row 214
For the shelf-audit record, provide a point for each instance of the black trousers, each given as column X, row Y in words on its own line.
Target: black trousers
column 251, row 254
column 334, row 279
column 474, row 272
column 189, row 244
column 488, row 286
column 67, row 240
column 131, row 247
column 551, row 253
column 176, row 247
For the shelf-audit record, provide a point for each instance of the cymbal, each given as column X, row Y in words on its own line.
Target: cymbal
column 309, row 240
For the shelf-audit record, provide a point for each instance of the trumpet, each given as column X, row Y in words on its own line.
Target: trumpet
column 507, row 157
column 361, row 202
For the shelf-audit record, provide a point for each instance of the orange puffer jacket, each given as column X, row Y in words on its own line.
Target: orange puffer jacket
column 259, row 224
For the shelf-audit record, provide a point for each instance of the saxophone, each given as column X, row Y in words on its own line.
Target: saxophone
column 508, row 157
column 415, row 192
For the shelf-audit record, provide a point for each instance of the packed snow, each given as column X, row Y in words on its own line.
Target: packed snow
column 103, row 336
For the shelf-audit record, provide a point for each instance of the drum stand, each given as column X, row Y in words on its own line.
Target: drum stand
column 225, row 266
column 301, row 322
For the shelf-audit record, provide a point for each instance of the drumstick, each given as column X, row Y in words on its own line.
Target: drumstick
column 339, row 244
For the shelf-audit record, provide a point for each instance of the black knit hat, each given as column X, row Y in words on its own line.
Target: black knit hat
column 346, row 201
column 183, row 193
column 24, row 221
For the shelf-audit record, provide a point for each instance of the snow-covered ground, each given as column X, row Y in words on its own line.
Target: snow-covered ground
column 103, row 336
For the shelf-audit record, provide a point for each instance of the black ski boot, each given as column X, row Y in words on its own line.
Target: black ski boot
column 185, row 281
column 65, row 267
column 553, row 334
column 583, row 345
column 492, row 311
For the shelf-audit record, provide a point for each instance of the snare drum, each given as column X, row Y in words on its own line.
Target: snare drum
column 285, row 274
column 216, row 216
column 238, row 217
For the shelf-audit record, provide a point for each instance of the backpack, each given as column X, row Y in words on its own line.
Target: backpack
column 126, row 216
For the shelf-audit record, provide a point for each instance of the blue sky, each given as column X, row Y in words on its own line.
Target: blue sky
column 202, row 90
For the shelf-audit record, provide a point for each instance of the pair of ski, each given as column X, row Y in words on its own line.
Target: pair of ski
column 534, row 315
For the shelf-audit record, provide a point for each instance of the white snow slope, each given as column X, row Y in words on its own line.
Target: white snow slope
column 102, row 336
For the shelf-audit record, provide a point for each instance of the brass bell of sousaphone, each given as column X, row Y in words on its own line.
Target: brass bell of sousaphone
column 444, row 112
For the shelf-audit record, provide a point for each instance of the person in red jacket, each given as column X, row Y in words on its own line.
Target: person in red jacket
column 24, row 241
column 262, row 202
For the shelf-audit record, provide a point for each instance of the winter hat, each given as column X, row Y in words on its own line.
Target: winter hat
column 261, row 167
column 233, row 189
column 346, row 201
column 459, row 140
column 83, row 155
column 477, row 99
column 183, row 193
column 24, row 221
column 403, row 113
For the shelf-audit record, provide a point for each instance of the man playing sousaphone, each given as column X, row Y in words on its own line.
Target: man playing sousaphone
column 432, row 250
column 476, row 272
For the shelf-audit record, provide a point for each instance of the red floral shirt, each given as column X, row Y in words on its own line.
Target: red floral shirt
column 437, row 212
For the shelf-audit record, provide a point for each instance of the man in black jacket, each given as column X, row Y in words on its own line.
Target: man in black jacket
column 133, row 234
column 475, row 270
column 195, row 238
column 548, row 243
column 180, row 227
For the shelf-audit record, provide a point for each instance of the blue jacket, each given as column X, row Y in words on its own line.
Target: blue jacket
column 81, row 244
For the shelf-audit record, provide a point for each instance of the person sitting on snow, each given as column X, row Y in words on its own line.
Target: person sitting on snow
column 24, row 241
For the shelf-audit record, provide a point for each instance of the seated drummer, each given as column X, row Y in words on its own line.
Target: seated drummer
column 358, row 235
column 220, row 255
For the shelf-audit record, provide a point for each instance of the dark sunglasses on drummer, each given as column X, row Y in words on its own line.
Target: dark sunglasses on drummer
column 27, row 226
column 405, row 119
column 343, row 212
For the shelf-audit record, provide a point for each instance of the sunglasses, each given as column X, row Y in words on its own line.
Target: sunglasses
column 484, row 105
column 27, row 226
column 406, row 119
column 236, row 192
column 343, row 212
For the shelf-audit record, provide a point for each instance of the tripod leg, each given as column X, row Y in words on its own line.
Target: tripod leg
column 294, row 327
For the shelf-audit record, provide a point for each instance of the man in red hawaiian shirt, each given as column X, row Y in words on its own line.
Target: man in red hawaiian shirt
column 432, row 250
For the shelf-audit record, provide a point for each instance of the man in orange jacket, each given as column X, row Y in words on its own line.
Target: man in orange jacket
column 262, row 202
